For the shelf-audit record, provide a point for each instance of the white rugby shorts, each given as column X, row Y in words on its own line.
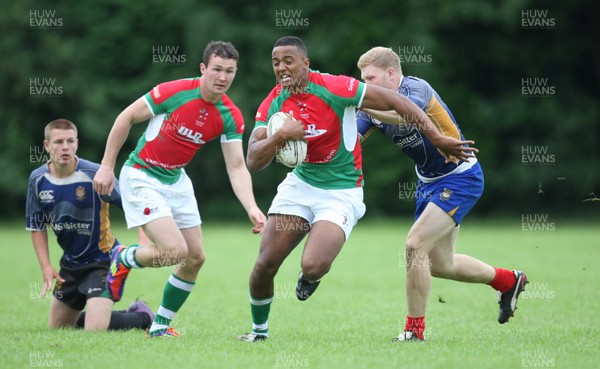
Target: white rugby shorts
column 343, row 207
column 145, row 198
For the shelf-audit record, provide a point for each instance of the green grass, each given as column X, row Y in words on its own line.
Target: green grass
column 348, row 323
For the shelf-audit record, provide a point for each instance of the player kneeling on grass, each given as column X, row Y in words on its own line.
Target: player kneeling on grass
column 446, row 192
column 61, row 195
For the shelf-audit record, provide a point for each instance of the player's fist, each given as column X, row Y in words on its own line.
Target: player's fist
column 104, row 180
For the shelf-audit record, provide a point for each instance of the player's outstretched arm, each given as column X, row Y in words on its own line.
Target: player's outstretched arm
column 379, row 98
column 262, row 150
column 388, row 116
column 49, row 274
column 138, row 111
column 241, row 182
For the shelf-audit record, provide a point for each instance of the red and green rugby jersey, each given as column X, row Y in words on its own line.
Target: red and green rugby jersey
column 183, row 122
column 326, row 108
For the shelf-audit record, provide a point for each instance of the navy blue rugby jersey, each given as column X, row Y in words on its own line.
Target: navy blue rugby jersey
column 74, row 211
column 430, row 164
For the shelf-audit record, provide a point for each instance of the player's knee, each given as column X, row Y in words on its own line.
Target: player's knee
column 414, row 248
column 415, row 253
column 315, row 269
column 265, row 268
column 419, row 240
column 196, row 259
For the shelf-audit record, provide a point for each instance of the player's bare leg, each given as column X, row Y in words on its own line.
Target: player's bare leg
column 457, row 267
column 322, row 247
column 98, row 313
column 281, row 235
column 61, row 315
column 431, row 249
column 143, row 239
column 168, row 246
column 432, row 225
column 464, row 268
column 189, row 267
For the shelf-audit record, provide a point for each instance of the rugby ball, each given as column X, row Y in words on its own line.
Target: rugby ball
column 293, row 152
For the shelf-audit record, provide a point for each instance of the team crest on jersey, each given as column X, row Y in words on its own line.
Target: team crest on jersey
column 202, row 117
column 80, row 193
column 303, row 112
column 445, row 195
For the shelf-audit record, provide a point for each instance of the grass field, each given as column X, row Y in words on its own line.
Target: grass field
column 349, row 321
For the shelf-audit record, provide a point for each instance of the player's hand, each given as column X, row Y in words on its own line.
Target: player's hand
column 104, row 180
column 49, row 276
column 455, row 150
column 292, row 129
column 258, row 219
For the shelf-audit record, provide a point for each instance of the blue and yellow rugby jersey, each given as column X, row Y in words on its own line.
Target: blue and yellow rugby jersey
column 74, row 211
column 430, row 164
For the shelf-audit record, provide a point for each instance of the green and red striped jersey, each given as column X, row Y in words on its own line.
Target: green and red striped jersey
column 183, row 122
column 326, row 108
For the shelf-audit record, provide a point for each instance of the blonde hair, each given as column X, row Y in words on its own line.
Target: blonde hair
column 380, row 57
column 59, row 124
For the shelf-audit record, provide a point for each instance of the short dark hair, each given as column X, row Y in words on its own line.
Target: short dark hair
column 59, row 124
column 292, row 41
column 222, row 49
